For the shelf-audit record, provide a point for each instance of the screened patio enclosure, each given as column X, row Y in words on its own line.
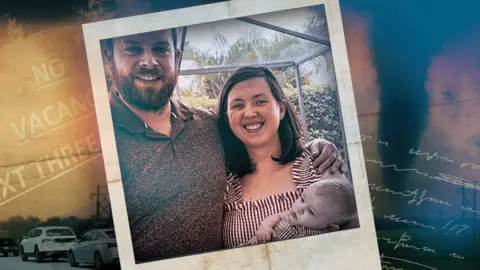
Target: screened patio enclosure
column 295, row 44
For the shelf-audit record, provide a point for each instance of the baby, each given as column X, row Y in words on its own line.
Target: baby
column 323, row 207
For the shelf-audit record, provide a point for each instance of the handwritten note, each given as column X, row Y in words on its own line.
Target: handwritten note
column 387, row 261
column 408, row 227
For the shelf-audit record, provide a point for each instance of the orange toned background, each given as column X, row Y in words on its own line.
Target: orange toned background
column 48, row 125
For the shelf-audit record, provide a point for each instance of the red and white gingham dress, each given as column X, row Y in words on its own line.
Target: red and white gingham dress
column 241, row 219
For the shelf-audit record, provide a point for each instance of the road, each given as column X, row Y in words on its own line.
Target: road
column 14, row 263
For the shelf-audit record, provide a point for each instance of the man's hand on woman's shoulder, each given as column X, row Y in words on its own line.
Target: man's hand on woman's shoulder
column 326, row 155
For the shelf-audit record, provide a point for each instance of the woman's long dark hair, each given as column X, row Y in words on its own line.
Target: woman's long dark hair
column 289, row 130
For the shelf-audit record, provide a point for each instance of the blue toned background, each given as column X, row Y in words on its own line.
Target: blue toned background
column 416, row 73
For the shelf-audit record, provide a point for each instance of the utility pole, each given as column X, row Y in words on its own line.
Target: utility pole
column 98, row 201
column 102, row 202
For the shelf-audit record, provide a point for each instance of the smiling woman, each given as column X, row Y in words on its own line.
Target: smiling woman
column 261, row 134
column 253, row 96
column 253, row 113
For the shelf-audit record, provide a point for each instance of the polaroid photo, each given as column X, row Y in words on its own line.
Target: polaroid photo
column 230, row 138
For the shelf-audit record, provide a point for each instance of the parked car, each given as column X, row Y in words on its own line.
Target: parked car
column 7, row 245
column 97, row 247
column 47, row 242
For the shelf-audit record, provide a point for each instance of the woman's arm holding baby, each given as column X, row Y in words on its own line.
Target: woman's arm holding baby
column 265, row 232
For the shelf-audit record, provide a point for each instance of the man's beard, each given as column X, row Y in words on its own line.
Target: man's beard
column 148, row 100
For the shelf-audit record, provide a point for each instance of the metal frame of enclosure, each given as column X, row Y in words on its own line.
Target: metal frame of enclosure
column 293, row 64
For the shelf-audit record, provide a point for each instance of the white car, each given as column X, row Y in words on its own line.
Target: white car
column 97, row 247
column 43, row 242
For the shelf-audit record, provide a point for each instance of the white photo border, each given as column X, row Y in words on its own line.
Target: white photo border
column 349, row 249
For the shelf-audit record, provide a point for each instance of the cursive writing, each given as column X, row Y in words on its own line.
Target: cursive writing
column 423, row 198
column 398, row 220
column 389, row 267
column 455, row 255
column 395, row 167
column 456, row 228
column 418, row 201
column 384, row 143
column 383, row 257
column 464, row 227
column 442, row 177
column 364, row 137
column 473, row 166
column 401, row 243
column 470, row 210
column 429, row 156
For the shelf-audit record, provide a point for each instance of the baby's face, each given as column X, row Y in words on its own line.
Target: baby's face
column 307, row 210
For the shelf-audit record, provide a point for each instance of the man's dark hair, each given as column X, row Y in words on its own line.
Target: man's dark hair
column 289, row 131
column 109, row 42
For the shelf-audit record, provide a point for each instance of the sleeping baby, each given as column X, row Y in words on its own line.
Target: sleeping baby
column 323, row 207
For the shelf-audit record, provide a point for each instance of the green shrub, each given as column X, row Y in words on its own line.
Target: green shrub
column 202, row 102
column 322, row 112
